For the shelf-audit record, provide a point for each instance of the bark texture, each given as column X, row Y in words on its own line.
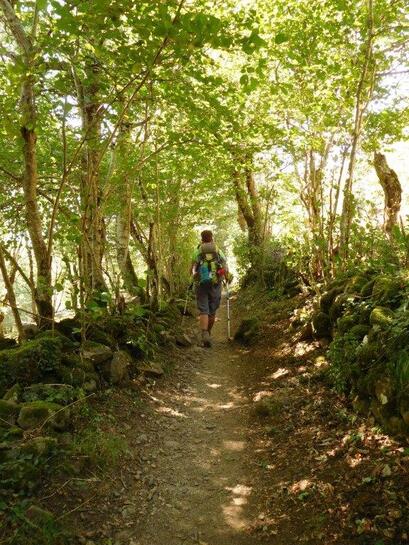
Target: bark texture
column 392, row 188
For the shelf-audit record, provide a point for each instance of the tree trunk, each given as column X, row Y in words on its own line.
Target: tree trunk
column 249, row 209
column 11, row 296
column 361, row 104
column 43, row 290
column 392, row 189
column 93, row 226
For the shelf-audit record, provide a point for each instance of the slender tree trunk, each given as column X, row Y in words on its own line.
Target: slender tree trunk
column 93, row 226
column 363, row 96
column 43, row 290
column 392, row 188
column 250, row 210
column 11, row 296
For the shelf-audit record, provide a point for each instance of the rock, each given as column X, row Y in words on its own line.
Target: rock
column 13, row 393
column 345, row 323
column 8, row 412
column 306, row 332
column 366, row 290
column 39, row 445
column 382, row 317
column 38, row 516
column 359, row 331
column 386, row 290
column 116, row 371
column 30, row 330
column 247, row 331
column 395, row 425
column 338, row 307
column 356, row 283
column 36, row 413
column 96, row 353
column 183, row 340
column 67, row 344
column 151, row 368
column 29, row 362
column 361, row 406
column 368, row 353
column 384, row 389
column 321, row 325
column 70, row 327
column 91, row 383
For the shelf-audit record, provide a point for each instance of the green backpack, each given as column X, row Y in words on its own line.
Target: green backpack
column 209, row 264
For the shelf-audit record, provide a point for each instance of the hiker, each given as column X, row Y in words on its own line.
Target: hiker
column 209, row 268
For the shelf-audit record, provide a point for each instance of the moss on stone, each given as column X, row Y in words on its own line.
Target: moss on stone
column 338, row 307
column 328, row 298
column 67, row 344
column 356, row 283
column 382, row 317
column 36, row 413
column 359, row 331
column 386, row 290
column 321, row 325
column 8, row 412
column 368, row 353
column 366, row 290
column 346, row 323
column 29, row 362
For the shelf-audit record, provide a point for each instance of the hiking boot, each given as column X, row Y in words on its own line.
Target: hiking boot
column 206, row 339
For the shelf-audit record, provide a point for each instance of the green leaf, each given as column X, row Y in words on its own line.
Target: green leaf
column 280, row 38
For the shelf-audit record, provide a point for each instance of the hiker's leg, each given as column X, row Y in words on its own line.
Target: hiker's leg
column 212, row 319
column 202, row 298
column 204, row 322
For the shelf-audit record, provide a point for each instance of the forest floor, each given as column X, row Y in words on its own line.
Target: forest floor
column 244, row 446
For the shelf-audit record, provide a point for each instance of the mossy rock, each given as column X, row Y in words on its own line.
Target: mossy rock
column 328, row 298
column 384, row 389
column 247, row 331
column 67, row 344
column 366, row 290
column 39, row 446
column 11, row 433
column 74, row 376
column 364, row 313
column 369, row 353
column 338, row 307
column 356, row 283
column 382, row 317
column 13, row 393
column 386, row 291
column 36, row 413
column 96, row 334
column 70, row 327
column 346, row 323
column 359, row 331
column 321, row 325
column 8, row 412
column 395, row 426
column 29, row 362
column 56, row 393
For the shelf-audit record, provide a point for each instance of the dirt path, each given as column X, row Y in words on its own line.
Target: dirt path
column 246, row 447
column 201, row 476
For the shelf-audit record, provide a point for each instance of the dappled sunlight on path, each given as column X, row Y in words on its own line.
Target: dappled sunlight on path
column 202, row 478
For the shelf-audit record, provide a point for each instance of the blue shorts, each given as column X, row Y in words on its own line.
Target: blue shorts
column 208, row 298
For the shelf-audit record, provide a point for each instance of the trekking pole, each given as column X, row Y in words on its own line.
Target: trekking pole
column 186, row 302
column 229, row 338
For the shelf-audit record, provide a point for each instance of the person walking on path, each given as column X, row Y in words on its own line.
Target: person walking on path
column 209, row 268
